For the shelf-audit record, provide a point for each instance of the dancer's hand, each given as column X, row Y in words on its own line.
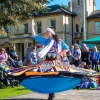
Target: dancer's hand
column 59, row 55
column 33, row 30
column 33, row 23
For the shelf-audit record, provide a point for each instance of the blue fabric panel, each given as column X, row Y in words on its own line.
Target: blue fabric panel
column 50, row 84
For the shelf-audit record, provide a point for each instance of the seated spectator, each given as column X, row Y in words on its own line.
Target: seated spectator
column 18, row 62
column 12, row 54
column 83, row 65
column 3, row 56
column 88, row 82
column 64, row 58
column 29, row 62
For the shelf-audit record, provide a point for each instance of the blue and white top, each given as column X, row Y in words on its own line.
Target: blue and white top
column 33, row 57
column 95, row 56
column 54, row 48
column 77, row 53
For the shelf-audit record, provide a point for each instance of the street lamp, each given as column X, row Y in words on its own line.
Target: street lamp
column 84, row 19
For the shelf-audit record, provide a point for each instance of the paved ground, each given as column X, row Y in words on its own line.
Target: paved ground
column 68, row 95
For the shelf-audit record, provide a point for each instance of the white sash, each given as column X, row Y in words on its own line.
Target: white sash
column 43, row 52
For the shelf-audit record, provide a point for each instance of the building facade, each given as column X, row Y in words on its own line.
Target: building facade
column 68, row 25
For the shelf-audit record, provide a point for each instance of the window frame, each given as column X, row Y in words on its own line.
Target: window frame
column 96, row 27
column 78, row 2
column 40, row 27
column 53, row 26
column 25, row 30
column 77, row 28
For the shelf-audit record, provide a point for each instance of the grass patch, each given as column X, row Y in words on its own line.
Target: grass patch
column 7, row 92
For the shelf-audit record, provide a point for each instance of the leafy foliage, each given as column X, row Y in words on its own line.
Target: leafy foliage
column 14, row 12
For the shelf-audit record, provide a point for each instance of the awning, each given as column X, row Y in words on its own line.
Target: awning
column 95, row 40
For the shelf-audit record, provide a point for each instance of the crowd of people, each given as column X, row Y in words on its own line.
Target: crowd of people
column 90, row 58
column 81, row 58
column 11, row 58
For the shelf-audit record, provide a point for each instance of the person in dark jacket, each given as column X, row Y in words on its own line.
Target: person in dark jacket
column 86, row 56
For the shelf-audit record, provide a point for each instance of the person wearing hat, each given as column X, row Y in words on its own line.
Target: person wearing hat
column 54, row 47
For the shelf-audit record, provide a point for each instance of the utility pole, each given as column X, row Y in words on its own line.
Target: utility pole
column 84, row 19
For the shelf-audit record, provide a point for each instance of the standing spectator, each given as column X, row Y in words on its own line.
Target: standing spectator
column 83, row 46
column 95, row 56
column 3, row 56
column 76, row 55
column 86, row 56
column 39, row 48
column 70, row 53
column 33, row 56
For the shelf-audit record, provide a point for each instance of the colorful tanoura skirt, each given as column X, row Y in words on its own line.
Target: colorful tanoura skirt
column 50, row 76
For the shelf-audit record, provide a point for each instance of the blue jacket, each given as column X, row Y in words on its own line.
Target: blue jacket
column 43, row 42
column 96, row 54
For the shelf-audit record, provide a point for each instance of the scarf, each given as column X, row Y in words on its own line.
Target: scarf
column 43, row 52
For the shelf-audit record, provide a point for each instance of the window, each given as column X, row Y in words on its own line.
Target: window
column 77, row 42
column 78, row 2
column 97, row 27
column 39, row 27
column 53, row 24
column 25, row 28
column 81, row 29
column 77, row 29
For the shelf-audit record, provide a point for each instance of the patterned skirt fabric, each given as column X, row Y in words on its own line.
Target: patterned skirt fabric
column 49, row 68
column 50, row 76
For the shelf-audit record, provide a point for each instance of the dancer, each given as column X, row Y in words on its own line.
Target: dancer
column 51, row 75
column 55, row 47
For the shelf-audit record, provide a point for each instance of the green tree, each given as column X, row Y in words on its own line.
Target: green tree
column 64, row 6
column 14, row 12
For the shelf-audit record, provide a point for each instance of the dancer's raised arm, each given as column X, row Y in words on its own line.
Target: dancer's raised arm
column 33, row 31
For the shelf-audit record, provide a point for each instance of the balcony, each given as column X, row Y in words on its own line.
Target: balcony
column 20, row 35
column 78, row 35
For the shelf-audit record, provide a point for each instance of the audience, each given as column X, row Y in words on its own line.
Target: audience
column 76, row 55
column 86, row 56
column 95, row 57
column 3, row 55
column 33, row 56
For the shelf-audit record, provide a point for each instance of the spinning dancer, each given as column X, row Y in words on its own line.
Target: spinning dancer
column 51, row 75
column 54, row 47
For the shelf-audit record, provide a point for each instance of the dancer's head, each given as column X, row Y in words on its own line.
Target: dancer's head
column 50, row 33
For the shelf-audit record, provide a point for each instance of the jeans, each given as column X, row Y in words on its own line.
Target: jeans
column 94, row 63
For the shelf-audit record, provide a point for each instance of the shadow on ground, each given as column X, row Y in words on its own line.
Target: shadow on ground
column 24, row 99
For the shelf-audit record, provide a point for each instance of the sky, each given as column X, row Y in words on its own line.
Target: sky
column 65, row 2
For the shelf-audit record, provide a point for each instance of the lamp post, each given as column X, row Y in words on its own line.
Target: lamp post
column 84, row 21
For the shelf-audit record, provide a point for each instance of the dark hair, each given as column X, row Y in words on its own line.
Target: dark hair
column 34, row 47
column 86, row 67
column 55, row 37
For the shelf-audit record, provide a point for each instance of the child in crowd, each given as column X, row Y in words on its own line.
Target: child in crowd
column 33, row 56
column 87, row 82
column 18, row 62
column 83, row 65
column 64, row 58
